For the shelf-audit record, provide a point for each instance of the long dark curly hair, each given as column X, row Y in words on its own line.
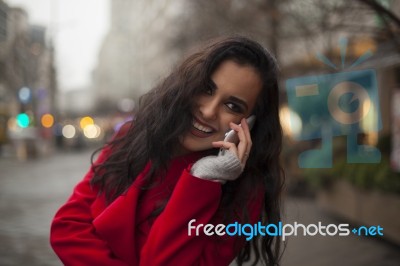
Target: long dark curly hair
column 165, row 114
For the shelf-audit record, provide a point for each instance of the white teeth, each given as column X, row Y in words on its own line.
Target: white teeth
column 201, row 127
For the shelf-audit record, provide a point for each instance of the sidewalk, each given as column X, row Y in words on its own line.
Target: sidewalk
column 332, row 250
column 30, row 194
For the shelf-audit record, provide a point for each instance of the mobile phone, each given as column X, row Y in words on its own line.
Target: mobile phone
column 232, row 136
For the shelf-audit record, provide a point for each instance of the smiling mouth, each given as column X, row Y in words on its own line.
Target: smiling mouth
column 200, row 130
column 201, row 127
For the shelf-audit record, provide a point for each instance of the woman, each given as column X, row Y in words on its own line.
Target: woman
column 152, row 191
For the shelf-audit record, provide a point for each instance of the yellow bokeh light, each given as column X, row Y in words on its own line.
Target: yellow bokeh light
column 85, row 121
column 47, row 120
column 290, row 121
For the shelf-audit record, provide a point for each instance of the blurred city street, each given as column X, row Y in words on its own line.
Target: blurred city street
column 33, row 190
column 30, row 194
column 73, row 72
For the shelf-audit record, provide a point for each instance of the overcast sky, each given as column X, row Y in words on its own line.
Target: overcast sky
column 77, row 28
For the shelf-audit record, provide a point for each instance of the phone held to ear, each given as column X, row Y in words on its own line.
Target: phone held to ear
column 231, row 136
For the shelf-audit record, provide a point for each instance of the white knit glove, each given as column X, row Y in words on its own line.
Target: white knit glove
column 224, row 167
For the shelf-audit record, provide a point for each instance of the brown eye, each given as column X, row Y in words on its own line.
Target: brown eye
column 234, row 107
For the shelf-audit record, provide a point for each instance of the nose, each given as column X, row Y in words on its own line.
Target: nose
column 209, row 109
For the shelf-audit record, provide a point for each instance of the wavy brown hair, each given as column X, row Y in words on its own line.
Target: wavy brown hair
column 164, row 115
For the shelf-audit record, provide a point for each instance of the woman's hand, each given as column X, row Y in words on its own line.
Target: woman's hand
column 242, row 150
column 229, row 165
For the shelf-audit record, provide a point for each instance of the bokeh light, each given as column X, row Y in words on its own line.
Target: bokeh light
column 12, row 124
column 23, row 120
column 85, row 121
column 69, row 131
column 290, row 121
column 24, row 95
column 47, row 120
column 92, row 131
column 126, row 105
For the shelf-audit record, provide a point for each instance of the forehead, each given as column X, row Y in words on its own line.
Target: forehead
column 242, row 81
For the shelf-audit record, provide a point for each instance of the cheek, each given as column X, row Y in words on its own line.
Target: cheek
column 198, row 101
column 226, row 119
column 225, row 128
column 220, row 135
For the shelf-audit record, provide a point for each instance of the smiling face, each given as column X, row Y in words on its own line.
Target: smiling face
column 233, row 98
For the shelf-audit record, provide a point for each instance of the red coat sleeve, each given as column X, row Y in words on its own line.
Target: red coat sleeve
column 168, row 242
column 72, row 235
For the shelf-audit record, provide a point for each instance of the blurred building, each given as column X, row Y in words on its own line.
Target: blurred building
column 27, row 82
column 80, row 99
column 4, row 93
column 136, row 51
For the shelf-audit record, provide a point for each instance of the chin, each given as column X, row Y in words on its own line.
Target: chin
column 193, row 144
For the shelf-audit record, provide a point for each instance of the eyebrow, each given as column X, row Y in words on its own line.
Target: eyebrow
column 239, row 101
column 231, row 98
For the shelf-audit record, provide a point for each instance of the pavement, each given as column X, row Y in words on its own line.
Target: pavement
column 32, row 191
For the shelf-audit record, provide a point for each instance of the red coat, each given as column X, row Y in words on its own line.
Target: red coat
column 87, row 232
